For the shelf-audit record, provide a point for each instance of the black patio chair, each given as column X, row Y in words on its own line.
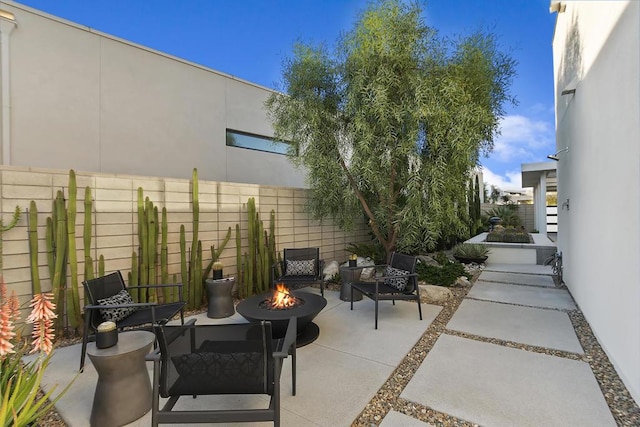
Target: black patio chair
column 398, row 282
column 109, row 300
column 231, row 359
column 298, row 268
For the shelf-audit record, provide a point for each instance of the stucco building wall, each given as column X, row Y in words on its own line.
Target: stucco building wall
column 597, row 52
column 83, row 99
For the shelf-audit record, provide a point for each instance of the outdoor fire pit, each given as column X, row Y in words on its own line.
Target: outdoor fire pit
column 279, row 306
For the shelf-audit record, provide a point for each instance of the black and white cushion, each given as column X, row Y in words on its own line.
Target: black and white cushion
column 117, row 314
column 306, row 267
column 398, row 282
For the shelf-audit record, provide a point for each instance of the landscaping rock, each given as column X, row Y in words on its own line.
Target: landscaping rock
column 427, row 260
column 331, row 269
column 435, row 294
column 462, row 281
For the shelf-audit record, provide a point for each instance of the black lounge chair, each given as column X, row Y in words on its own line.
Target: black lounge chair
column 398, row 282
column 299, row 267
column 194, row 360
column 108, row 300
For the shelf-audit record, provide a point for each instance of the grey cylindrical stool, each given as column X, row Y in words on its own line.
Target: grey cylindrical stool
column 123, row 392
column 220, row 301
column 349, row 275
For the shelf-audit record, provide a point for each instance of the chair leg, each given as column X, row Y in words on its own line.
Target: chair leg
column 351, row 297
column 376, row 312
column 85, row 338
column 420, row 309
column 293, row 367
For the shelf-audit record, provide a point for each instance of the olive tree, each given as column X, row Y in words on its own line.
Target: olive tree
column 391, row 122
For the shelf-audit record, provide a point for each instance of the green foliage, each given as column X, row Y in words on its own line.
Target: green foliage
column 254, row 268
column 373, row 250
column 507, row 213
column 391, row 122
column 470, row 250
column 509, row 235
column 444, row 275
column 441, row 258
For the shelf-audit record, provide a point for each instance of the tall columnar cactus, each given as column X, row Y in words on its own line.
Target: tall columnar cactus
column 191, row 259
column 33, row 247
column 240, row 277
column 86, row 235
column 73, row 296
column 57, row 247
column 147, row 256
column 195, row 268
column 257, row 262
column 184, row 270
column 164, row 259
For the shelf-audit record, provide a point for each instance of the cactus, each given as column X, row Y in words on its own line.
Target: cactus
column 164, row 260
column 59, row 249
column 257, row 262
column 33, row 247
column 88, row 209
column 195, row 267
column 101, row 266
column 215, row 254
column 191, row 270
column 73, row 296
column 183, row 260
column 242, row 291
column 147, row 256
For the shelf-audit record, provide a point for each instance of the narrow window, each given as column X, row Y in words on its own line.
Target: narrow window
column 255, row 142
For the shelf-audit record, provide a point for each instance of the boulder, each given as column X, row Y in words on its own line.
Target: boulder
column 462, row 281
column 427, row 260
column 435, row 294
column 331, row 269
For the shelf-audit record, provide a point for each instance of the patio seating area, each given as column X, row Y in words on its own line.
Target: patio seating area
column 508, row 354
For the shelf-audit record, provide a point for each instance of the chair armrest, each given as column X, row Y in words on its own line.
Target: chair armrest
column 163, row 285
column 382, row 278
column 110, row 306
column 289, row 338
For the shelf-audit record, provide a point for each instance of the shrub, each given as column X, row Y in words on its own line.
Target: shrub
column 509, row 235
column 441, row 258
column 441, row 276
column 470, row 250
column 507, row 213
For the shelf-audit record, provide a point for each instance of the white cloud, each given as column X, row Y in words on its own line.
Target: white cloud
column 520, row 138
column 511, row 181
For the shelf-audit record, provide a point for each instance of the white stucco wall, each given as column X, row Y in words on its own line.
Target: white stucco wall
column 597, row 44
column 86, row 100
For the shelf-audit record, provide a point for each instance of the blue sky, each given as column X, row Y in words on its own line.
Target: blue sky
column 250, row 38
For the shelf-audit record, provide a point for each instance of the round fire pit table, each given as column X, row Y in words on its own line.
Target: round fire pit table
column 123, row 393
column 252, row 310
column 220, row 301
column 348, row 275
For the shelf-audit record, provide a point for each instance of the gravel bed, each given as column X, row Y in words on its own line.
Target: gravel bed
column 624, row 409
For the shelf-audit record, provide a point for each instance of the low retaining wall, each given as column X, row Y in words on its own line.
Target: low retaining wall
column 518, row 253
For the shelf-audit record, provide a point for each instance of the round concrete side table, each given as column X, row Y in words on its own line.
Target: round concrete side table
column 220, row 301
column 123, row 392
column 348, row 275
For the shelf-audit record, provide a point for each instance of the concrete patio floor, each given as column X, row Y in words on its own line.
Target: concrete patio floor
column 463, row 376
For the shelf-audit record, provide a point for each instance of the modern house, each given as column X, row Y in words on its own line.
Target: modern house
column 596, row 55
column 73, row 97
